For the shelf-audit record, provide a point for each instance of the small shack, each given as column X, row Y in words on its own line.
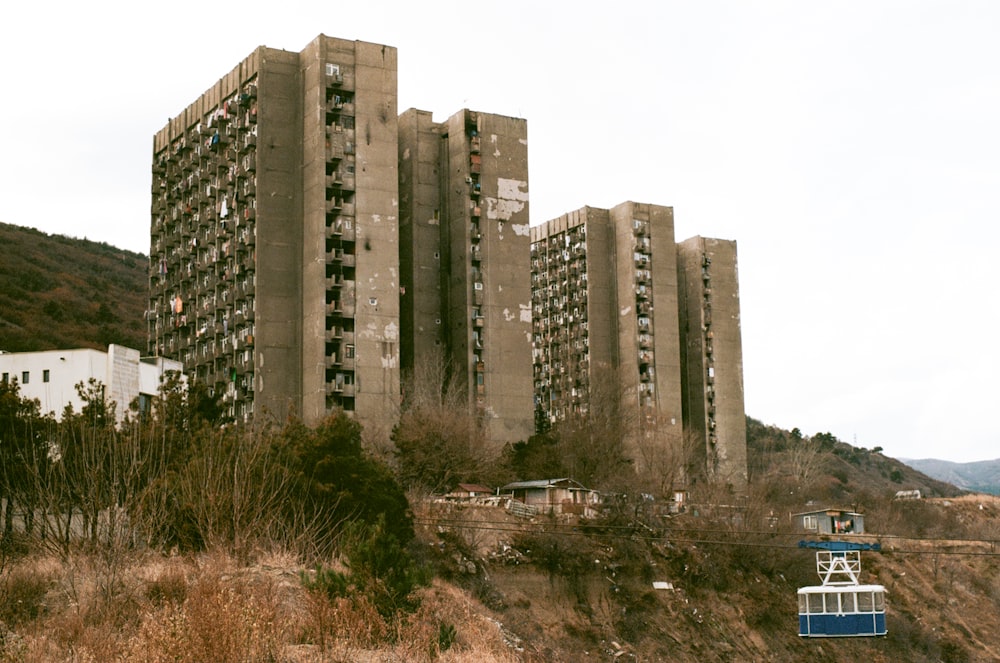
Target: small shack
column 830, row 521
column 555, row 496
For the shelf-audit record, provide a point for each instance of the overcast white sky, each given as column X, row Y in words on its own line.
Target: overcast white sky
column 852, row 149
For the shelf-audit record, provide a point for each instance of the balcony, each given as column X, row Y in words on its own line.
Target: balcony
column 340, row 389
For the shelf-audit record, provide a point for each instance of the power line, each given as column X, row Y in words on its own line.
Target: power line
column 695, row 536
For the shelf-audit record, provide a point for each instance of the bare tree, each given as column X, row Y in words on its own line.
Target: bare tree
column 440, row 438
column 595, row 440
column 236, row 490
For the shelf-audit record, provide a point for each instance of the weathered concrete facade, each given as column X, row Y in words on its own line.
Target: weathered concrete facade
column 612, row 301
column 712, row 356
column 464, row 211
column 274, row 252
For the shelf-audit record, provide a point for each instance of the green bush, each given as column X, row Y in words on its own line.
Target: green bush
column 328, row 582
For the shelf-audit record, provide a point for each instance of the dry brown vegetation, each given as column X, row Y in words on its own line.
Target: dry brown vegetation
column 542, row 589
column 208, row 607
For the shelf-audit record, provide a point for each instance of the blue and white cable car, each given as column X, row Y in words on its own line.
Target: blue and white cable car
column 841, row 606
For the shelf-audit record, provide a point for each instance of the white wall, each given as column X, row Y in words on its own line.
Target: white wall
column 120, row 370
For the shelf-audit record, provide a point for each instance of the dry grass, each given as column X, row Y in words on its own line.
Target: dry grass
column 209, row 608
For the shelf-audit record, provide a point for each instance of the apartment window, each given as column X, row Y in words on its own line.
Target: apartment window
column 332, row 69
column 6, row 377
column 809, row 522
column 349, row 351
column 45, row 375
column 24, row 377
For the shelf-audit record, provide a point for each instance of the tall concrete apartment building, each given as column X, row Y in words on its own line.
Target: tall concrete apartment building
column 712, row 354
column 289, row 274
column 616, row 300
column 464, row 262
column 274, row 242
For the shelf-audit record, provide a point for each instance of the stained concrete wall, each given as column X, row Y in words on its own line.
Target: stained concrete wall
column 420, row 239
column 713, row 357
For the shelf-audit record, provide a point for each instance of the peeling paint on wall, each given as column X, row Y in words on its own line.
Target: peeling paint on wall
column 526, row 315
column 511, row 189
column 521, row 229
column 406, row 154
column 502, row 209
column 391, row 332
column 507, row 315
column 626, row 310
column 376, row 218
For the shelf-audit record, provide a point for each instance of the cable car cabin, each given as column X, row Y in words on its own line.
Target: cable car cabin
column 829, row 611
column 841, row 606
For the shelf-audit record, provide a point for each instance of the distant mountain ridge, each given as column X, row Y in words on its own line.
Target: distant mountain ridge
column 981, row 476
column 58, row 293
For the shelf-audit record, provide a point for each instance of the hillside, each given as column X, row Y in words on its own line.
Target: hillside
column 566, row 592
column 980, row 476
column 551, row 589
column 578, row 591
column 59, row 293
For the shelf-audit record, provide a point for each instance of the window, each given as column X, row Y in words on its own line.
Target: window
column 332, row 69
column 45, row 375
column 809, row 522
column 24, row 377
column 847, row 602
column 816, row 603
column 6, row 377
column 349, row 351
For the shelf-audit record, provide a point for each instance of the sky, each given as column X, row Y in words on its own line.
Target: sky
column 851, row 149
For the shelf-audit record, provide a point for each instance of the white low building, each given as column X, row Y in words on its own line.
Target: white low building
column 51, row 376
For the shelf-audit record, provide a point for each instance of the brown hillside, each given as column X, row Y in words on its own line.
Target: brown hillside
column 59, row 293
column 573, row 592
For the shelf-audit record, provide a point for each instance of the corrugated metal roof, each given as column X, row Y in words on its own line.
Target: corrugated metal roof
column 565, row 482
